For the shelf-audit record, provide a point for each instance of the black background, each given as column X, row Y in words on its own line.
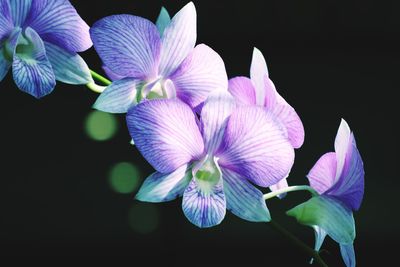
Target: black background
column 329, row 59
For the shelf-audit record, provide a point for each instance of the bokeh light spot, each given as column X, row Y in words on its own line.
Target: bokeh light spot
column 124, row 177
column 143, row 218
column 101, row 126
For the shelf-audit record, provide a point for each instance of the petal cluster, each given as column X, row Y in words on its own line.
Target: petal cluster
column 155, row 60
column 39, row 41
column 212, row 162
column 339, row 179
column 259, row 90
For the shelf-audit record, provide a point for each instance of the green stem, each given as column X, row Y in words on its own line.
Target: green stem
column 291, row 189
column 314, row 254
column 95, row 88
column 100, row 78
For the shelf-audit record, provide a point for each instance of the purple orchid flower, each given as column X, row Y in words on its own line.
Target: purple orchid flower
column 150, row 61
column 339, row 179
column 260, row 90
column 40, row 39
column 212, row 162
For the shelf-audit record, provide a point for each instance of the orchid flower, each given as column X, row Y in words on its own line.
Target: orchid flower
column 40, row 39
column 339, row 179
column 212, row 162
column 260, row 90
column 150, row 61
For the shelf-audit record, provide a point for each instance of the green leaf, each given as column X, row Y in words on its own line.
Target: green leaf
column 329, row 214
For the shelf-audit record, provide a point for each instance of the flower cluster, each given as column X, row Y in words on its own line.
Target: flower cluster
column 211, row 140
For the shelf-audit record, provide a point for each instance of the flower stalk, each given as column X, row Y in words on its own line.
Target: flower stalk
column 291, row 189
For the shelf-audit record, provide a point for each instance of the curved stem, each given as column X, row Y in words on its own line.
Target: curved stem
column 100, row 78
column 291, row 189
column 314, row 254
column 95, row 88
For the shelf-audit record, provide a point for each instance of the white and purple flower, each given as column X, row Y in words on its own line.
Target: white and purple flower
column 339, row 179
column 148, row 61
column 212, row 162
column 259, row 90
column 40, row 39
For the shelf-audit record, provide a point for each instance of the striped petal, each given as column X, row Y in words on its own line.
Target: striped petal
column 217, row 108
column 20, row 10
column 204, row 208
column 322, row 175
column 166, row 133
column 243, row 199
column 350, row 186
column 163, row 20
column 112, row 75
column 58, row 22
column 6, row 23
column 258, row 70
column 202, row 72
column 118, row 97
column 348, row 255
column 253, row 145
column 330, row 215
column 160, row 187
column 68, row 67
column 178, row 39
column 128, row 45
column 243, row 90
column 32, row 70
column 286, row 115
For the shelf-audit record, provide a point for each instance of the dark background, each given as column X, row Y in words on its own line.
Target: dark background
column 329, row 59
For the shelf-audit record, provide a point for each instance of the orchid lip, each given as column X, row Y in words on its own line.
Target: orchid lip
column 207, row 173
column 158, row 88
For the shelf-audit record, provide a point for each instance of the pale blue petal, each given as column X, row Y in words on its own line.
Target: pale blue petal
column 20, row 10
column 348, row 254
column 32, row 70
column 202, row 72
column 68, row 67
column 243, row 199
column 166, row 132
column 320, row 235
column 118, row 97
column 178, row 39
column 329, row 214
column 204, row 208
column 217, row 108
column 128, row 45
column 258, row 70
column 163, row 20
column 254, row 146
column 160, row 187
column 58, row 22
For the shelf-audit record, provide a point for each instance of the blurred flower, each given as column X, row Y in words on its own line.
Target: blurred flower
column 339, row 179
column 211, row 162
column 260, row 90
column 148, row 61
column 40, row 40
